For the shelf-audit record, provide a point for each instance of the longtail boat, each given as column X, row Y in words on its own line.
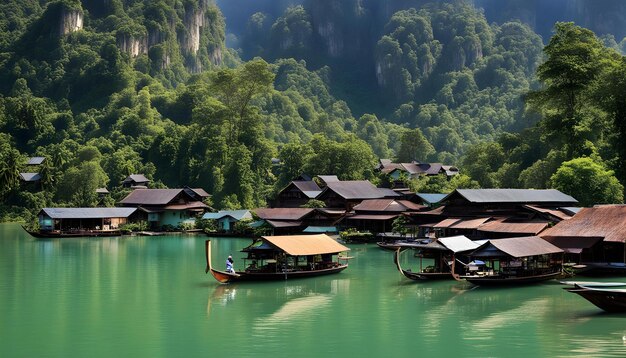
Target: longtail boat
column 608, row 299
column 284, row 257
column 420, row 275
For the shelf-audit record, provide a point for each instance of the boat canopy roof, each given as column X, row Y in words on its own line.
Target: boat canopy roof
column 516, row 247
column 305, row 245
column 458, row 243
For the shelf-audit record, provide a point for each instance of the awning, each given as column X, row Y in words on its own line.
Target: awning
column 458, row 243
column 304, row 245
column 524, row 246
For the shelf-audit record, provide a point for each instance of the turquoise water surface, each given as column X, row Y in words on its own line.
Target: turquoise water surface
column 150, row 297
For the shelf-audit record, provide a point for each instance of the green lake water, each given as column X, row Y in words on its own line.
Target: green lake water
column 150, row 297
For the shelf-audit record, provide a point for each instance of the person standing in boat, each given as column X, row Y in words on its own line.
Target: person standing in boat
column 229, row 264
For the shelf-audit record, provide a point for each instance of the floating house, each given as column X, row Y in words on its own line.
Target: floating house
column 513, row 261
column 377, row 215
column 226, row 219
column 595, row 238
column 63, row 220
column 284, row 221
column 167, row 207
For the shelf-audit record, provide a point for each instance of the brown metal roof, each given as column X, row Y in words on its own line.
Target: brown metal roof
column 554, row 212
column 445, row 223
column 411, row 206
column 502, row 226
column 607, row 221
column 371, row 217
column 469, row 223
column 566, row 242
column 379, row 205
column 187, row 206
column 354, row 189
column 328, row 178
column 512, row 196
column 201, row 192
column 304, row 245
column 525, row 246
column 151, row 196
column 282, row 213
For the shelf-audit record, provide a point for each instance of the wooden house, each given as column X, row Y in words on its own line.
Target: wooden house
column 346, row 194
column 377, row 215
column 296, row 194
column 136, row 181
column 226, row 219
column 83, row 219
column 167, row 207
column 595, row 238
column 284, row 221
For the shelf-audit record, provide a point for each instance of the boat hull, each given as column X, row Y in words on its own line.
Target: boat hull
column 606, row 299
column 225, row 277
column 51, row 235
column 509, row 281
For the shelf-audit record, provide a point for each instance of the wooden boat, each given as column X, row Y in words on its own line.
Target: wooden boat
column 284, row 257
column 41, row 234
column 421, row 275
column 514, row 261
column 394, row 245
column 608, row 299
column 505, row 280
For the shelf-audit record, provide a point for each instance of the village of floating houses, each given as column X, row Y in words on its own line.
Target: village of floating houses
column 485, row 236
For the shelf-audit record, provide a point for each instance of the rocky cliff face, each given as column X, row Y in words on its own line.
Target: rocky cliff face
column 71, row 20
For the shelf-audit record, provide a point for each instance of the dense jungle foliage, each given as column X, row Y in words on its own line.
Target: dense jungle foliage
column 107, row 88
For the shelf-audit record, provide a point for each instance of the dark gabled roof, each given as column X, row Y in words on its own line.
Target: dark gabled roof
column 512, row 196
column 387, row 205
column 30, row 177
column 308, row 188
column 282, row 213
column 356, row 189
column 388, row 193
column 136, row 178
column 200, row 192
column 606, row 221
column 520, row 247
column 35, row 160
column 430, row 168
column 88, row 213
column 151, row 196
column 328, row 178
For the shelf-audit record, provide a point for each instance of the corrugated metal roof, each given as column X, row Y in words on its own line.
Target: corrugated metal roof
column 282, row 213
column 579, row 242
column 187, row 206
column 502, row 226
column 88, row 213
column 388, row 193
column 304, row 245
column 445, row 223
column 469, row 224
column 607, row 221
column 151, row 196
column 371, row 217
column 411, row 206
column 137, row 178
column 550, row 211
column 201, row 192
column 354, row 189
column 35, row 160
column 30, row 176
column 458, row 243
column 525, row 246
column 378, row 205
column 514, row 196
column 328, row 178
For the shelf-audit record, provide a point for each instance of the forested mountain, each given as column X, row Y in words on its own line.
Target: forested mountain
column 107, row 88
